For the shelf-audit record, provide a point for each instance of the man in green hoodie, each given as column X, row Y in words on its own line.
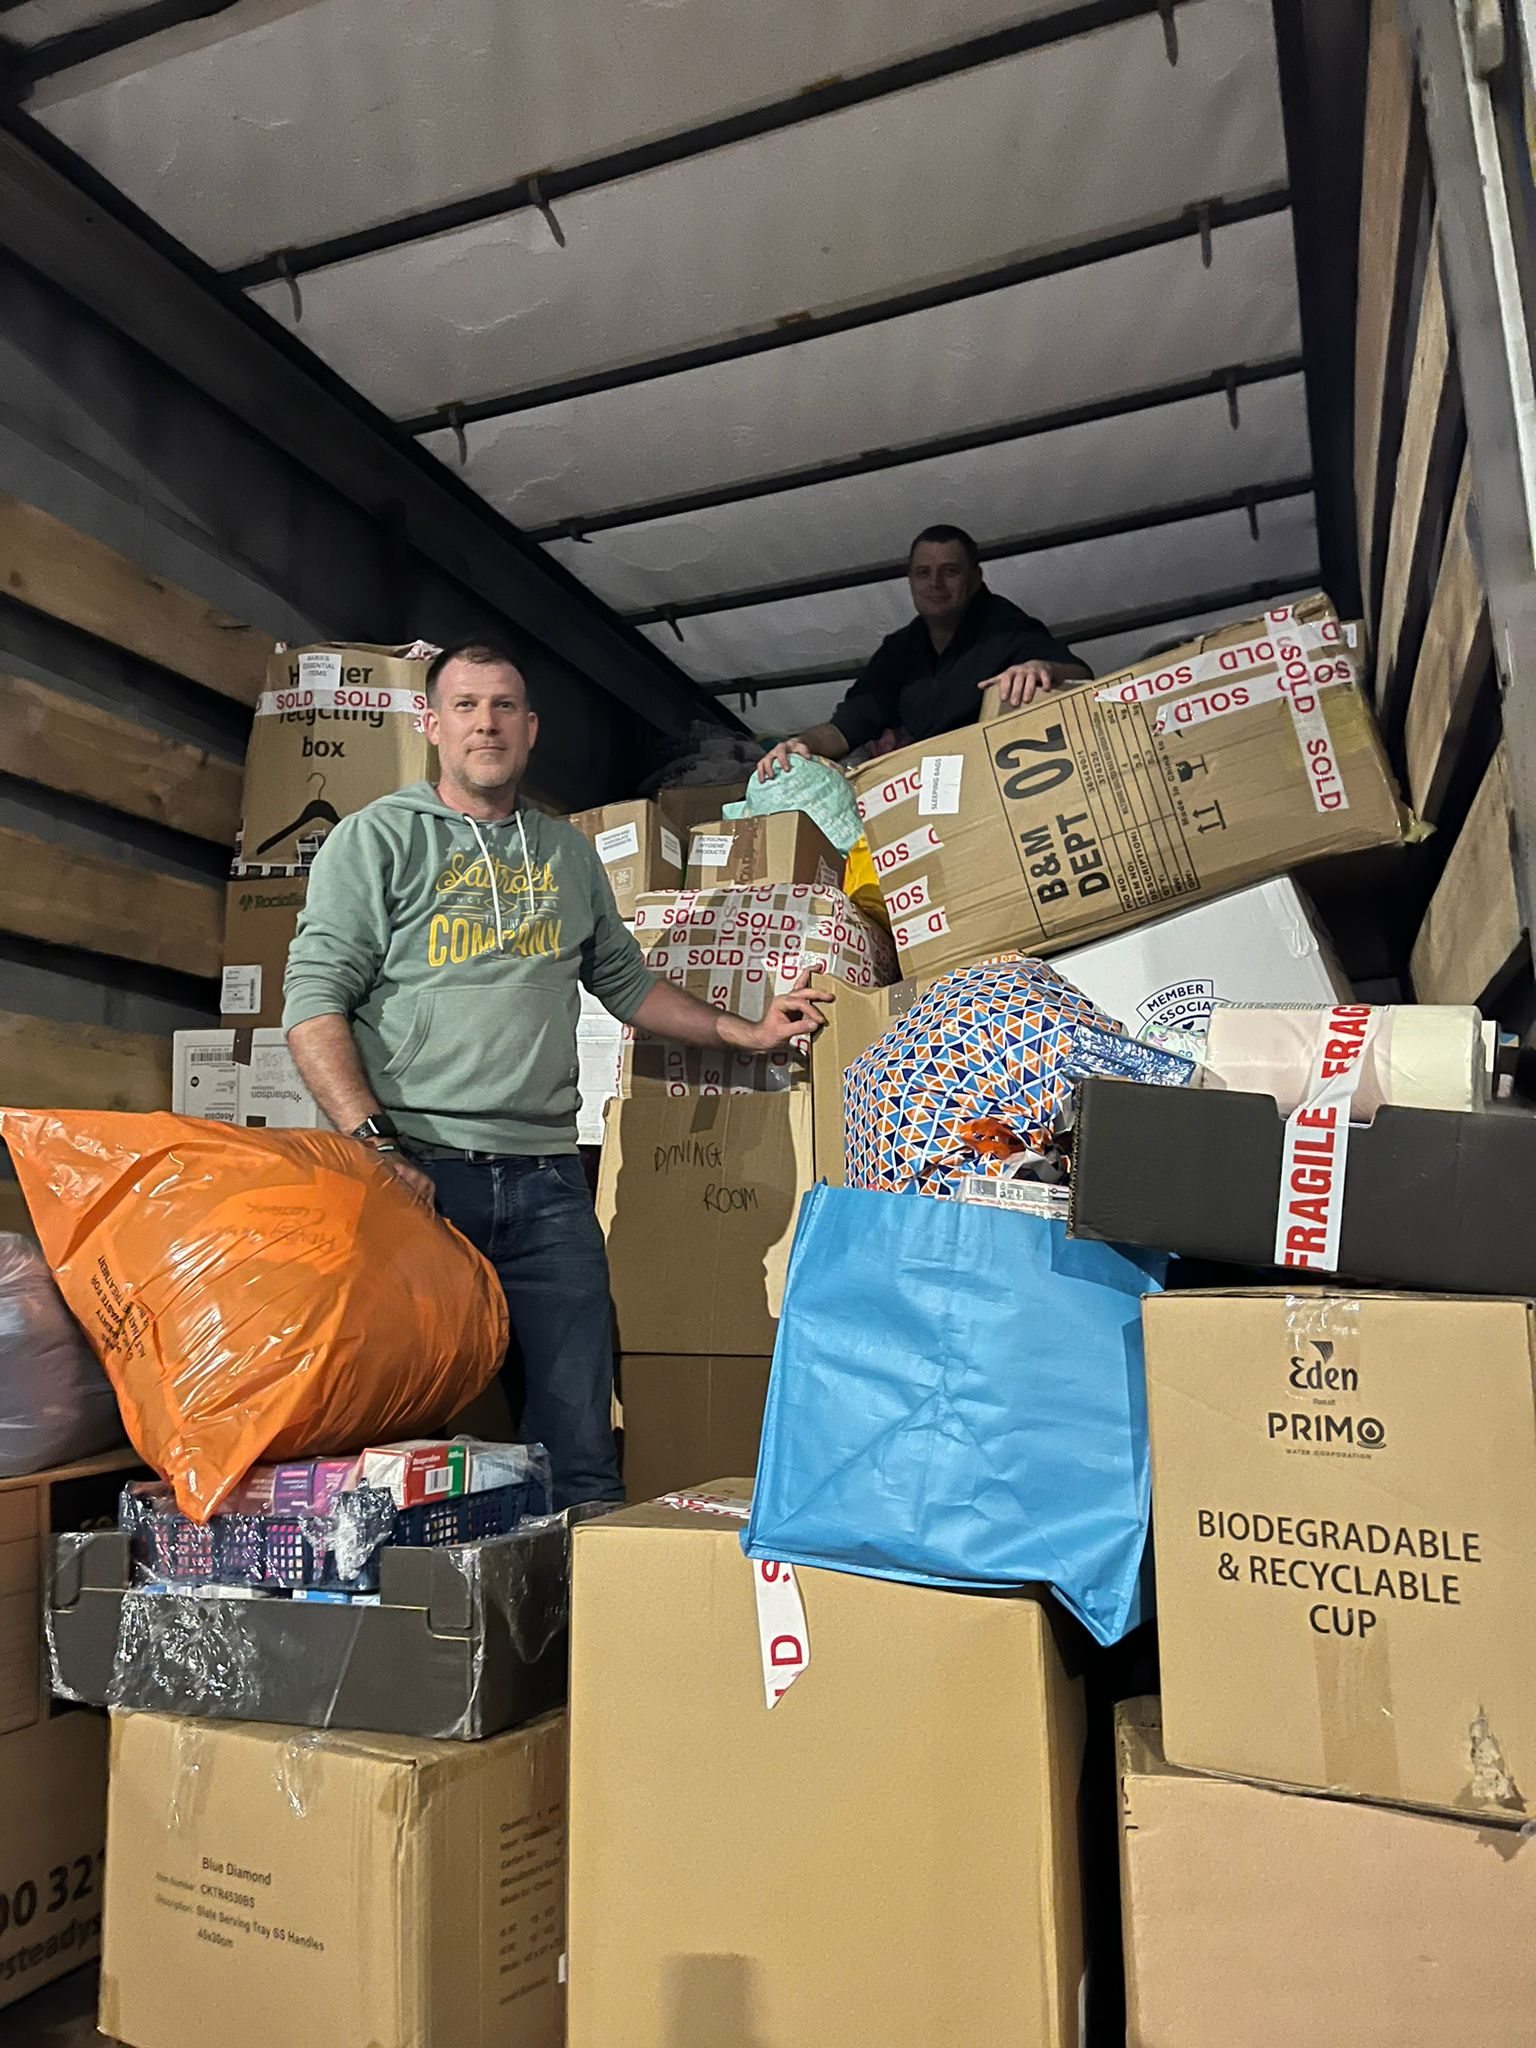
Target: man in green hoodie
column 431, row 1002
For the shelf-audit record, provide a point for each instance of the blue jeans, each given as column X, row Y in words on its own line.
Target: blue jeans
column 534, row 1221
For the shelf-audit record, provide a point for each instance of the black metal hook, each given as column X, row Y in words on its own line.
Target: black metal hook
column 536, row 199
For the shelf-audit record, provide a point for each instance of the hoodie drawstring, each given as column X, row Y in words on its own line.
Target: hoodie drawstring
column 490, row 869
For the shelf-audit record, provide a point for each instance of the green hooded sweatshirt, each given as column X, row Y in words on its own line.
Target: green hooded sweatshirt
column 455, row 948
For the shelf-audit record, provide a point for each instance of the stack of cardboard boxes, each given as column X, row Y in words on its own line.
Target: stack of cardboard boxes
column 334, row 728
column 1344, row 1505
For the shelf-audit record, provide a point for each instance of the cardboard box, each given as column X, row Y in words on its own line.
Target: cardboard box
column 739, row 948
column 686, row 1417
column 650, row 1066
column 32, row 1511
column 888, row 1856
column 1256, row 1918
column 461, row 1642
column 335, row 727
column 53, row 1762
column 53, row 1821
column 261, row 914
column 242, row 1077
column 696, row 803
column 1346, row 1514
column 698, row 1196
column 638, row 848
column 783, row 846
column 336, row 1889
column 1098, row 807
column 1426, row 1198
column 1259, row 945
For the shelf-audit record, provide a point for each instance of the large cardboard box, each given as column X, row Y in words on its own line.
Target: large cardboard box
column 888, row 1856
column 52, row 1825
column 53, row 1762
column 1346, row 1514
column 1258, row 1918
column 638, row 848
column 1100, row 806
column 241, row 1077
column 687, row 1417
column 698, row 1195
column 1258, row 945
column 335, row 727
column 783, row 846
column 1427, row 1198
column 332, row 1889
column 261, row 914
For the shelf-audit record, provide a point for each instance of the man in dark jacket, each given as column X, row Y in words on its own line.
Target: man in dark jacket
column 928, row 677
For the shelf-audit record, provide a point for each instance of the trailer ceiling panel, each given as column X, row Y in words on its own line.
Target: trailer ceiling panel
column 275, row 125
column 1026, row 349
column 1081, row 581
column 39, row 21
column 1105, row 468
column 281, row 124
column 852, row 208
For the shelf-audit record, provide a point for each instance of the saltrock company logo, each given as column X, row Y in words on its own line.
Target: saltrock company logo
column 1321, row 1428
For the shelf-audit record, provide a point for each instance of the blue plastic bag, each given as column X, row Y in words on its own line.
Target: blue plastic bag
column 957, row 1398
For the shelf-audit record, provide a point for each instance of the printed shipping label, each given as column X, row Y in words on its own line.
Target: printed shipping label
column 671, row 847
column 320, row 671
column 620, row 843
column 781, row 1632
column 711, row 849
column 939, row 796
column 1316, row 1150
column 240, row 991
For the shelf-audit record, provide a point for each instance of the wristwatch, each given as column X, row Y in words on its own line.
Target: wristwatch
column 378, row 1131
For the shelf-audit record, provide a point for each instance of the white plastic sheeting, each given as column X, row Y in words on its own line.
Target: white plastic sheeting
column 282, row 122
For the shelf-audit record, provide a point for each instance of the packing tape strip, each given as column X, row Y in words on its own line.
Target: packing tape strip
column 1269, row 688
column 782, row 1637
column 1227, row 664
column 1356, row 1717
column 1314, row 1157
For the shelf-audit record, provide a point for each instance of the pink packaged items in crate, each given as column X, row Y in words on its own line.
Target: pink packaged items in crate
column 321, row 1522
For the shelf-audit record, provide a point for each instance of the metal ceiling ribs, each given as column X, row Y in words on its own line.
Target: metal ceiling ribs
column 789, row 330
column 1142, row 618
column 541, row 189
column 1123, row 405
column 1081, row 533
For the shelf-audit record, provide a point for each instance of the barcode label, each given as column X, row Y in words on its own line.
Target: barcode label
column 439, row 1480
column 211, row 1056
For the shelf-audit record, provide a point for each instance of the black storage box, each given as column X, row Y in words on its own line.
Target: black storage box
column 1434, row 1200
column 463, row 1643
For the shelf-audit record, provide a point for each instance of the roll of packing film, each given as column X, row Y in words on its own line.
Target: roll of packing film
column 1430, row 1056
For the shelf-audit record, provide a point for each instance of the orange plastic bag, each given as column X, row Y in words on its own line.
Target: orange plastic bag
column 254, row 1294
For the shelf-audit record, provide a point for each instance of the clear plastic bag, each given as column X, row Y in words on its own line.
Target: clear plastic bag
column 56, row 1402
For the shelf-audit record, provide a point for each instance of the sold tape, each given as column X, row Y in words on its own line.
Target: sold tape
column 1315, row 1153
column 782, row 1635
column 1223, row 664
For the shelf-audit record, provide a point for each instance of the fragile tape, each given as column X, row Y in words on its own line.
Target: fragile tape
column 1315, row 1154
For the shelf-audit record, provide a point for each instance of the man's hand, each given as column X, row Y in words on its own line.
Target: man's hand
column 788, row 1017
column 776, row 760
column 408, row 1173
column 1020, row 684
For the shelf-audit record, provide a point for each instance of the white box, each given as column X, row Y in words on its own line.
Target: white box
column 1261, row 945
column 242, row 1077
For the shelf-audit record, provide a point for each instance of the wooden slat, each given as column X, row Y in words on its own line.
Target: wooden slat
column 74, row 747
column 1425, row 480
column 1472, row 930
column 1453, row 658
column 1385, row 261
column 44, row 1065
column 65, row 898
column 47, row 565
